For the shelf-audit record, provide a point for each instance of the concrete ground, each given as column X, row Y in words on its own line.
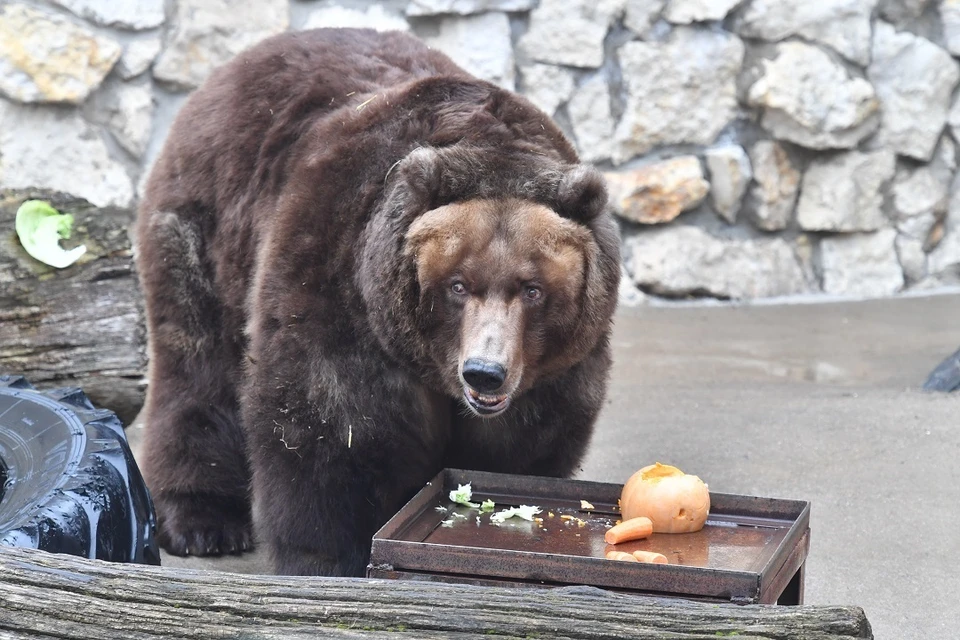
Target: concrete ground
column 817, row 402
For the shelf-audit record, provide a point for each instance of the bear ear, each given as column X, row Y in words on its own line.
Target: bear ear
column 582, row 193
column 421, row 175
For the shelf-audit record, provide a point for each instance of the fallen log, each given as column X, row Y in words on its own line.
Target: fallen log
column 80, row 326
column 53, row 596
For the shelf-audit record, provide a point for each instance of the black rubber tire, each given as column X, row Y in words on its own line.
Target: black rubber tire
column 946, row 377
column 68, row 481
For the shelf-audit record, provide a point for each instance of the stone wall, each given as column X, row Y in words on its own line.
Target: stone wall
column 754, row 148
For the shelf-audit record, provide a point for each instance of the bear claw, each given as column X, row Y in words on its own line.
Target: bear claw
column 203, row 525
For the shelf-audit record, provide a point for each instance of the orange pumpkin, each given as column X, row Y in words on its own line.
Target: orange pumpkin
column 674, row 501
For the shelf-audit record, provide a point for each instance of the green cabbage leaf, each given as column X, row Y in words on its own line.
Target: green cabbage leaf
column 40, row 228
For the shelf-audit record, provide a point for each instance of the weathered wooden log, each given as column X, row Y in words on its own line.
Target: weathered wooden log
column 52, row 596
column 82, row 325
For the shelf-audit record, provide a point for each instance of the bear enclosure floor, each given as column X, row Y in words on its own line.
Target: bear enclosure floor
column 818, row 402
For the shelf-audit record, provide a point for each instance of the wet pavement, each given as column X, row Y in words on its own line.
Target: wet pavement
column 817, row 402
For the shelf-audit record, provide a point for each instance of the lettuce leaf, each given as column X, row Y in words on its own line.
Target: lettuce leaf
column 523, row 511
column 462, row 495
column 40, row 227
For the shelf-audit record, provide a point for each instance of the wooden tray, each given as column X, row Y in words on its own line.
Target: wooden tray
column 751, row 549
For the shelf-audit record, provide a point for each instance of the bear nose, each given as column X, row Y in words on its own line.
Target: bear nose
column 483, row 375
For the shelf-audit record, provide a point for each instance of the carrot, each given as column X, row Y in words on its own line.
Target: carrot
column 621, row 555
column 632, row 529
column 650, row 556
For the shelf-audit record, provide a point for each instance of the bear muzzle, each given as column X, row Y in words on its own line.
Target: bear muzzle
column 483, row 380
column 484, row 375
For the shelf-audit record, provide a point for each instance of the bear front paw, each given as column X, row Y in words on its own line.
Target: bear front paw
column 203, row 524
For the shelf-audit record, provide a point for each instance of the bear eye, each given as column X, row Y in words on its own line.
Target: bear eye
column 458, row 288
column 532, row 293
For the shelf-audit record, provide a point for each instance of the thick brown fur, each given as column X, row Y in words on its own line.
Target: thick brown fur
column 334, row 219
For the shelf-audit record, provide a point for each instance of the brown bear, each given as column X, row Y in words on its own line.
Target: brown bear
column 361, row 265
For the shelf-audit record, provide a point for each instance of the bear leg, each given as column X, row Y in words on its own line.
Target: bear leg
column 317, row 515
column 318, row 501
column 194, row 466
column 193, row 455
column 334, row 452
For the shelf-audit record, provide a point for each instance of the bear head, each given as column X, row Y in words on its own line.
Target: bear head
column 487, row 274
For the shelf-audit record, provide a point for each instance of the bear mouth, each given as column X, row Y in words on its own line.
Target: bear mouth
column 485, row 404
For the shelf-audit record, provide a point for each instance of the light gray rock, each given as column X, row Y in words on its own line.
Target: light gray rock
column 950, row 17
column 570, row 32
column 681, row 260
column 628, row 294
column 919, row 227
column 547, row 86
column 659, row 192
column 137, row 57
column 776, row 183
column 125, row 14
column 809, row 99
column 688, row 11
column 54, row 148
column 465, row 7
column 861, row 264
column 944, row 261
column 900, row 12
column 639, row 15
column 845, row 192
column 681, row 91
column 914, row 80
column 923, row 192
column 45, row 58
column 803, row 246
column 842, row 25
column 207, row 33
column 912, row 257
column 946, row 158
column 374, row 17
column 593, row 123
column 953, row 120
column 127, row 111
column 132, row 121
column 480, row 44
column 730, row 175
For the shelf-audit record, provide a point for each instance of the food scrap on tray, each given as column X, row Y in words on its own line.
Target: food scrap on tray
column 658, row 498
column 648, row 557
column 462, row 495
column 523, row 511
column 627, row 530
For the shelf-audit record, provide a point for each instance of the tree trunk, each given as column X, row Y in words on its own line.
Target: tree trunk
column 52, row 596
column 79, row 326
